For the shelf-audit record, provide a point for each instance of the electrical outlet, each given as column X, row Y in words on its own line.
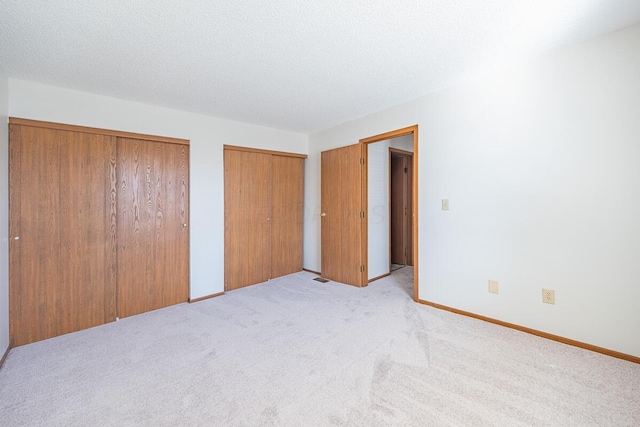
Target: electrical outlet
column 445, row 204
column 548, row 296
column 493, row 286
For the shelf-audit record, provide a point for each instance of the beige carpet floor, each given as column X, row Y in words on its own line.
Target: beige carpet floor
column 296, row 352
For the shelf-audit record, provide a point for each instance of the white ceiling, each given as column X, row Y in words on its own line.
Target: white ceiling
column 301, row 65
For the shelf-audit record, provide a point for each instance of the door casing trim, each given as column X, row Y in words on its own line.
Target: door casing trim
column 410, row 130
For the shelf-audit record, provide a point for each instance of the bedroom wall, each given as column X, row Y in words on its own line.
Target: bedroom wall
column 378, row 198
column 4, row 212
column 540, row 163
column 207, row 135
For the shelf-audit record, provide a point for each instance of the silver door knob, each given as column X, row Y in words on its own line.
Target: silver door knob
column 16, row 238
column 323, row 214
column 184, row 225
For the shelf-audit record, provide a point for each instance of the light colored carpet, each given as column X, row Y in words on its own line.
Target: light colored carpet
column 395, row 267
column 297, row 352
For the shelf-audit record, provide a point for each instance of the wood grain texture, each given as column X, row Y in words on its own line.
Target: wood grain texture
column 401, row 197
column 217, row 294
column 247, row 218
column 415, row 206
column 341, row 230
column 104, row 132
column 287, row 215
column 398, row 203
column 536, row 332
column 261, row 151
column 410, row 212
column 61, row 200
column 152, row 224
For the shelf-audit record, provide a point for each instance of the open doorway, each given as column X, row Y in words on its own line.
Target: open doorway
column 377, row 194
column 400, row 208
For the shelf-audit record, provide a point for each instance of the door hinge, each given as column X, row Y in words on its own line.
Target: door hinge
column 362, row 268
column 362, row 214
column 362, row 160
column 406, row 170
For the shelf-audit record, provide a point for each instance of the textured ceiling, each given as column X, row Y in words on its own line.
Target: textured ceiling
column 302, row 65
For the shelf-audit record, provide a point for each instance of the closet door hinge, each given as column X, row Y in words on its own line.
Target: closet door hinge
column 362, row 268
column 362, row 214
column 362, row 160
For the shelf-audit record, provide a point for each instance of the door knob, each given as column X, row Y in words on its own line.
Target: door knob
column 323, row 214
column 16, row 238
column 184, row 225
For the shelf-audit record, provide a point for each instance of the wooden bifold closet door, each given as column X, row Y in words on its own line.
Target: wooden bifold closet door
column 62, row 226
column 263, row 215
column 98, row 226
column 152, row 223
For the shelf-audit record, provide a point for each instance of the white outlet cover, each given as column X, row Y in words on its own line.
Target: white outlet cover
column 493, row 286
column 445, row 204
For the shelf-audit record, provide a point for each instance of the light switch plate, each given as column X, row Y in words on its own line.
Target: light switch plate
column 445, row 204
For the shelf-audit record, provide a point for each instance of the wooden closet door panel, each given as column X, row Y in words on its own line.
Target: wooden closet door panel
column 60, row 279
column 88, row 228
column 152, row 223
column 247, row 213
column 287, row 215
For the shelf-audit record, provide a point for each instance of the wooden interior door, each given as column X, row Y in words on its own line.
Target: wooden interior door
column 398, row 208
column 410, row 209
column 287, row 215
column 247, row 218
column 152, row 224
column 341, row 217
column 62, row 228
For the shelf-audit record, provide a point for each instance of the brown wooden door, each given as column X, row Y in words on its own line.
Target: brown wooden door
column 341, row 202
column 153, row 225
column 287, row 213
column 62, row 227
column 410, row 209
column 247, row 218
column 399, row 209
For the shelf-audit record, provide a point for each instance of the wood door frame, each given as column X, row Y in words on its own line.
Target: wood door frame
column 410, row 130
column 408, row 155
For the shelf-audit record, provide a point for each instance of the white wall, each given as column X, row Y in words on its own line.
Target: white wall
column 207, row 134
column 378, row 201
column 542, row 166
column 4, row 213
